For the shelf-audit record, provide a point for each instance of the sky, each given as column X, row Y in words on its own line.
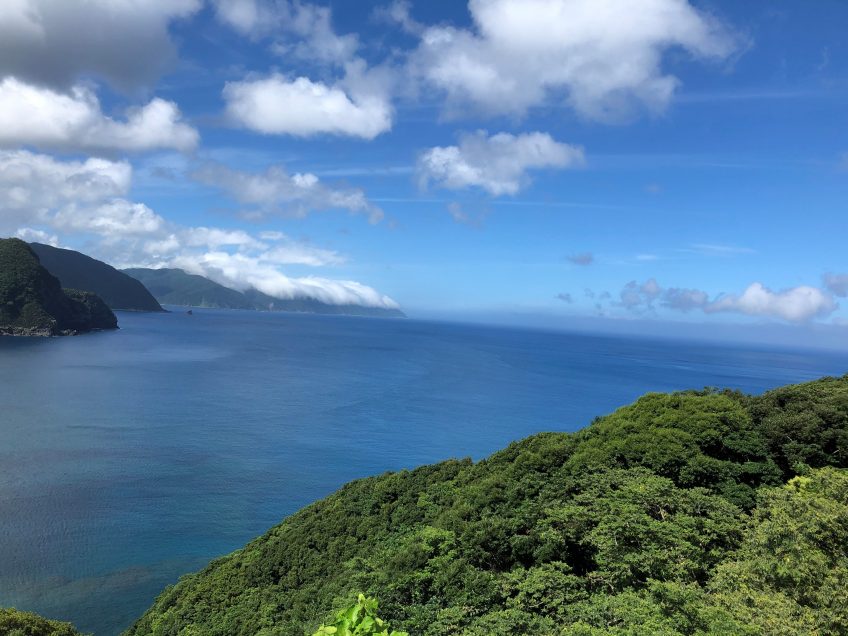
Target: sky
column 656, row 162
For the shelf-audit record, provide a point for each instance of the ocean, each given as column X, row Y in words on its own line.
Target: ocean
column 130, row 458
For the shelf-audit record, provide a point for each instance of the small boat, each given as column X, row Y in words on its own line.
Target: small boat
column 190, row 312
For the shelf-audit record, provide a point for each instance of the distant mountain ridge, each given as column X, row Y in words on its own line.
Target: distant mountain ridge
column 177, row 287
column 78, row 271
column 33, row 303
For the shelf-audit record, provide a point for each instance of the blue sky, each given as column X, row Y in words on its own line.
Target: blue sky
column 654, row 161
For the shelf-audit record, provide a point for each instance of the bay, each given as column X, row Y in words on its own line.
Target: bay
column 130, row 458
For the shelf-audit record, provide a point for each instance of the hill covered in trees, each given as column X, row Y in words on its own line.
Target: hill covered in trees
column 33, row 303
column 177, row 287
column 15, row 623
column 78, row 271
column 701, row 512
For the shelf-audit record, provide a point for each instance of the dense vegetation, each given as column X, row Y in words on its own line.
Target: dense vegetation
column 79, row 271
column 32, row 301
column 359, row 619
column 690, row 513
column 176, row 287
column 15, row 623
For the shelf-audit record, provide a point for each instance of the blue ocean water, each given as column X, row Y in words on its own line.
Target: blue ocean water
column 130, row 458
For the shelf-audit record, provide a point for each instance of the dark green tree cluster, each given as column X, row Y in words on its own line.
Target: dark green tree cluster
column 32, row 301
column 15, row 623
column 78, row 271
column 689, row 513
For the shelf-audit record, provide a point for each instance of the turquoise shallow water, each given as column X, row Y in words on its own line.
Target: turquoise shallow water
column 132, row 457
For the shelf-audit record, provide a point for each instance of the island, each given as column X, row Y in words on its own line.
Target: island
column 33, row 302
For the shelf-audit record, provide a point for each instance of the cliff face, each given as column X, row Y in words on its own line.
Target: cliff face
column 33, row 303
column 78, row 271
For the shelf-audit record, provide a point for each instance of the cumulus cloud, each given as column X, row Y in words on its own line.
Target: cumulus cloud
column 400, row 13
column 30, row 235
column 55, row 42
column 301, row 30
column 357, row 103
column 42, row 198
column 117, row 218
column 603, row 58
column 301, row 107
column 837, row 284
column 796, row 304
column 45, row 118
column 276, row 192
column 684, row 299
column 497, row 164
column 33, row 186
column 583, row 258
column 639, row 295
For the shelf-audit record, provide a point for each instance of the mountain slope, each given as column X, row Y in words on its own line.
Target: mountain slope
column 176, row 287
column 669, row 516
column 15, row 623
column 78, row 271
column 32, row 301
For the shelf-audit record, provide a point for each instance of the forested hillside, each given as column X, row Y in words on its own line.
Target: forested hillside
column 33, row 303
column 79, row 271
column 691, row 513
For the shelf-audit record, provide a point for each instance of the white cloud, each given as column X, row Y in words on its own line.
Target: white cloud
column 275, row 191
column 243, row 271
column 301, row 107
column 497, row 164
column 32, row 186
column 45, row 118
column 245, row 16
column 114, row 219
column 797, row 304
column 603, row 58
column 300, row 30
column 37, row 236
column 636, row 296
column 56, row 42
column 400, row 12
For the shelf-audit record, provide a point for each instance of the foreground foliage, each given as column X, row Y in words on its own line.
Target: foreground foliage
column 358, row 620
column 15, row 623
column 690, row 513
